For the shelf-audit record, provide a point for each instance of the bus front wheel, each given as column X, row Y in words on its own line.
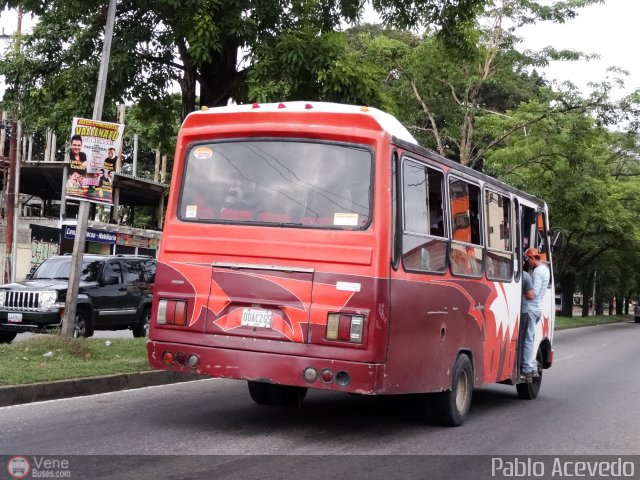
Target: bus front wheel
column 451, row 407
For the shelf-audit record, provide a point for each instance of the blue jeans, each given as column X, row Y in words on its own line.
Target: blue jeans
column 528, row 356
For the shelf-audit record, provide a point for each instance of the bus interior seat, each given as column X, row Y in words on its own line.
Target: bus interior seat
column 274, row 217
column 316, row 220
column 233, row 214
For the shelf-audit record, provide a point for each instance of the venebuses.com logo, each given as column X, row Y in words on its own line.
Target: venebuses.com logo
column 38, row 467
column 18, row 467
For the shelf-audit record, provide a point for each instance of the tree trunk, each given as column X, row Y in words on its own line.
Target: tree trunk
column 600, row 306
column 627, row 302
column 611, row 306
column 567, row 285
column 585, row 306
column 619, row 302
column 219, row 79
column 188, row 89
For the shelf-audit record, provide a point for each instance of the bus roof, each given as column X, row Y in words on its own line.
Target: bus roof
column 387, row 122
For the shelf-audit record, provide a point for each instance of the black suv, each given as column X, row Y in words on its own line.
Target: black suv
column 115, row 293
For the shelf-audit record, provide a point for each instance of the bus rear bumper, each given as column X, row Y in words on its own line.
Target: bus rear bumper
column 346, row 376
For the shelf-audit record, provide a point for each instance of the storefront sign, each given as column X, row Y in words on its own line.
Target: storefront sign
column 97, row 236
column 137, row 241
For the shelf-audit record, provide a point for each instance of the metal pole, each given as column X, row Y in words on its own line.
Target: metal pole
column 16, row 223
column 11, row 186
column 135, row 154
column 83, row 212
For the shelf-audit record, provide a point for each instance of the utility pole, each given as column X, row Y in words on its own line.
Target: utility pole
column 10, row 268
column 68, row 322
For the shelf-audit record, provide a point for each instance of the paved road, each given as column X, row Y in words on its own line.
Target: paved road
column 588, row 405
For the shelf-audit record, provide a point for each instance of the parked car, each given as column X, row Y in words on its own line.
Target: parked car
column 115, row 293
column 636, row 313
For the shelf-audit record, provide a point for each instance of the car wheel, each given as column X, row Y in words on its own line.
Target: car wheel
column 81, row 327
column 142, row 328
column 451, row 407
column 7, row 337
column 530, row 390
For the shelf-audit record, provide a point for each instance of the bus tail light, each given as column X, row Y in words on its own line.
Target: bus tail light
column 172, row 312
column 167, row 358
column 345, row 328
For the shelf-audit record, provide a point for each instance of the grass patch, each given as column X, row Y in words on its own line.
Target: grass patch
column 573, row 322
column 46, row 358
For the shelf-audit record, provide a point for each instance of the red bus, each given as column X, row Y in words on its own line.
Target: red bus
column 315, row 245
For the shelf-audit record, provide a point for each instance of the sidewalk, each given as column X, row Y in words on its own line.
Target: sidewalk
column 37, row 392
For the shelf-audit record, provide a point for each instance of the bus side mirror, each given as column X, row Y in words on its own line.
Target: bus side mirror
column 558, row 239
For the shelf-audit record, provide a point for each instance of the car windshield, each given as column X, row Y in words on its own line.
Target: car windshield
column 59, row 268
column 280, row 182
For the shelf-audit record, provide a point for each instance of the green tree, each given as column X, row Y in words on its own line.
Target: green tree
column 191, row 42
column 442, row 89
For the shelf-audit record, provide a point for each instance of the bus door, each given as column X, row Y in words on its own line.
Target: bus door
column 260, row 301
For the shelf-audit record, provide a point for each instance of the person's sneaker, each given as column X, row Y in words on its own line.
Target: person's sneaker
column 535, row 374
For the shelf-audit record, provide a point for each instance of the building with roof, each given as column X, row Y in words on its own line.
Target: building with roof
column 46, row 220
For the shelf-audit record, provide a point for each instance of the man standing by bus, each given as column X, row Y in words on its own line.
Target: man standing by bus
column 528, row 294
column 540, row 278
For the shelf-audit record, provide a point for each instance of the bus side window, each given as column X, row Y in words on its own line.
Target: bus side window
column 466, row 246
column 499, row 260
column 424, row 247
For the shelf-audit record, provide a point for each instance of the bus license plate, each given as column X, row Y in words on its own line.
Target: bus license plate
column 14, row 317
column 255, row 317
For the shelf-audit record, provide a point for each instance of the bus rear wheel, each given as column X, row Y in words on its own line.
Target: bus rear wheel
column 272, row 394
column 530, row 390
column 452, row 407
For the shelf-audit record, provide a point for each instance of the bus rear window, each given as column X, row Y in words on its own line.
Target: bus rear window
column 276, row 182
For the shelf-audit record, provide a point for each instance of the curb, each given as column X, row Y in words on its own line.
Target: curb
column 37, row 392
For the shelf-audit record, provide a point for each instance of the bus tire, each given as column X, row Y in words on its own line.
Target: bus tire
column 530, row 390
column 452, row 407
column 287, row 396
column 260, row 392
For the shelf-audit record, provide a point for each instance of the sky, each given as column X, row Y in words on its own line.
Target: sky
column 610, row 30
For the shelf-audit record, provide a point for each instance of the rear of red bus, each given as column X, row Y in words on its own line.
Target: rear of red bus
column 274, row 261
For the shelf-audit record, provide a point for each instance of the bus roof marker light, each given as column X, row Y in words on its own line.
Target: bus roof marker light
column 308, row 106
column 255, row 105
column 282, row 105
column 364, row 108
column 204, row 108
